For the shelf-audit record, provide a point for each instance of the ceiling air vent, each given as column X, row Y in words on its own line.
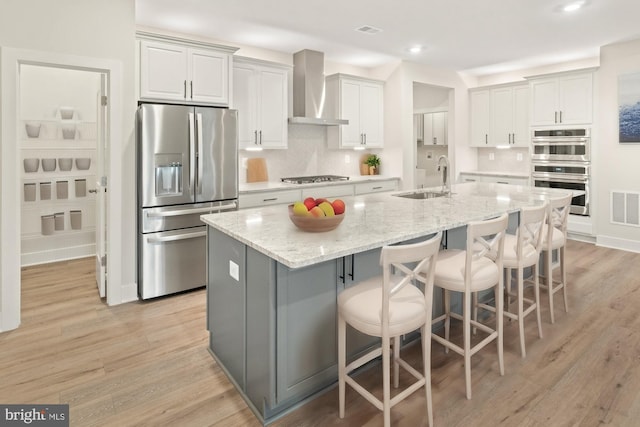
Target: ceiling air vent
column 368, row 29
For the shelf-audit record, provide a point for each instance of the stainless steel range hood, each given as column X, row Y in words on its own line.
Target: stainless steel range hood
column 309, row 90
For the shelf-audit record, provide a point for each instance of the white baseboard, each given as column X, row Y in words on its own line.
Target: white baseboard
column 618, row 243
column 55, row 255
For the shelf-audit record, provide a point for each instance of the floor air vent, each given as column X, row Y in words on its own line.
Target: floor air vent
column 625, row 208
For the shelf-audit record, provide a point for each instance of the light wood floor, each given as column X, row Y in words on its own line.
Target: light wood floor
column 147, row 363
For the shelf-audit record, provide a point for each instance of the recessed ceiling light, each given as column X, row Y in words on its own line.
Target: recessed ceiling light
column 415, row 49
column 572, row 7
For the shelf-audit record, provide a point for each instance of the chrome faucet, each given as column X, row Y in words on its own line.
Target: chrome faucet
column 446, row 175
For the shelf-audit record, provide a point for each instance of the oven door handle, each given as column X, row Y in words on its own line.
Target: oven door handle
column 564, row 178
column 549, row 141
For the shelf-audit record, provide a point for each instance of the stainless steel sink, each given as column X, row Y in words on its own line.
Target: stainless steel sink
column 422, row 194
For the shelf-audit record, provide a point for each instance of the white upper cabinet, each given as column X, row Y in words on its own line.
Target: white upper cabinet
column 562, row 100
column 435, row 128
column 261, row 94
column 500, row 116
column 180, row 72
column 480, row 114
column 361, row 101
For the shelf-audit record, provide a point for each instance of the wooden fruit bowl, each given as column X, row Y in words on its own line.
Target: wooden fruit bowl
column 315, row 224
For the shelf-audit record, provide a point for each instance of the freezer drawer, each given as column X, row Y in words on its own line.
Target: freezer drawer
column 181, row 216
column 171, row 261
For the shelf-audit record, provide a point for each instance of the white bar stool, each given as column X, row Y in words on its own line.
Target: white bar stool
column 387, row 307
column 555, row 238
column 521, row 251
column 475, row 269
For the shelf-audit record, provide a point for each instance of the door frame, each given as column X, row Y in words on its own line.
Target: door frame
column 10, row 205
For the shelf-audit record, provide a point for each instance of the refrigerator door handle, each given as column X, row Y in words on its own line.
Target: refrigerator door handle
column 184, row 236
column 199, row 129
column 180, row 212
column 192, row 154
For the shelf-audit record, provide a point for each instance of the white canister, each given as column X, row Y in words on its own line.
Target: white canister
column 81, row 187
column 76, row 220
column 47, row 224
column 45, row 191
column 30, row 192
column 58, row 219
column 62, row 189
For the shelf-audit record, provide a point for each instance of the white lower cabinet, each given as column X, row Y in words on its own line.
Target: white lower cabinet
column 267, row 198
column 376, row 187
column 274, row 197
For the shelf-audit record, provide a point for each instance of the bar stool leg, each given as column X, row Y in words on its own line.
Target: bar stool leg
column 521, row 310
column 499, row 295
column 396, row 365
column 447, row 319
column 549, row 268
column 386, row 381
column 426, row 362
column 342, row 357
column 467, row 342
column 536, row 290
column 563, row 274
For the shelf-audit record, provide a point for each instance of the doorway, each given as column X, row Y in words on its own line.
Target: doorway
column 60, row 113
column 431, row 131
column 13, row 153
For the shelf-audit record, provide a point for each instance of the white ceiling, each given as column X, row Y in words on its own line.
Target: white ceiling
column 477, row 36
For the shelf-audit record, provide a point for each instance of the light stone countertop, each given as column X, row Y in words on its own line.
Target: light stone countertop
column 372, row 221
column 256, row 187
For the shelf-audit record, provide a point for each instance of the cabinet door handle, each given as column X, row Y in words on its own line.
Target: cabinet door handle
column 342, row 277
column 185, row 89
column 555, row 117
column 191, row 84
column 560, row 116
column 260, row 137
column 486, row 138
column 255, row 137
column 272, row 199
column 365, row 139
column 435, row 140
column 376, row 188
column 352, row 275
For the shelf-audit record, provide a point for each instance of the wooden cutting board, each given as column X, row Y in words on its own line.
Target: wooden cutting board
column 257, row 170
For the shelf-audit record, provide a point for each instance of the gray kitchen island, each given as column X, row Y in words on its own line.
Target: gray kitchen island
column 272, row 288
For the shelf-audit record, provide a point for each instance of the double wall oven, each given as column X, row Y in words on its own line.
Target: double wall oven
column 561, row 158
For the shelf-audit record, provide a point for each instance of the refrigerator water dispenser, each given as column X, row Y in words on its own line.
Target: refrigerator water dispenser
column 169, row 179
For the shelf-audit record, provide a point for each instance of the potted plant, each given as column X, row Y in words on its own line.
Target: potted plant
column 373, row 161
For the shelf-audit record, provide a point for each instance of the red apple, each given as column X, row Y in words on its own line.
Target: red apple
column 338, row 206
column 310, row 203
column 318, row 201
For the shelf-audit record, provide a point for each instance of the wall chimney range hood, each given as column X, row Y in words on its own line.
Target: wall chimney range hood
column 309, row 90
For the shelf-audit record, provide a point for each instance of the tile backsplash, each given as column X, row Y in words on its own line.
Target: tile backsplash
column 307, row 154
column 495, row 160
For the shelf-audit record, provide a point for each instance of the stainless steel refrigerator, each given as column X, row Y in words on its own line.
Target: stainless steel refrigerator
column 187, row 167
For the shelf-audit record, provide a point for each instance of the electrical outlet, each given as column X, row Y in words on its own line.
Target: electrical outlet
column 234, row 270
column 347, row 158
column 492, row 156
column 519, row 157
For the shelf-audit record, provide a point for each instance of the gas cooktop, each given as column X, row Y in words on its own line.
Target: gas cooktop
column 313, row 178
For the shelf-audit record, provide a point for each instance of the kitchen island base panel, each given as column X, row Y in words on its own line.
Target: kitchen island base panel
column 273, row 329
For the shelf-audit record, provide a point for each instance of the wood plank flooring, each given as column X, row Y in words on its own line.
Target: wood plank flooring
column 147, row 363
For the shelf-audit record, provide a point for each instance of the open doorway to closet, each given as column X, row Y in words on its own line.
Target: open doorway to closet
column 57, row 107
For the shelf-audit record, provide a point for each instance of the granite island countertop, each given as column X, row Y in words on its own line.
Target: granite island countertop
column 372, row 221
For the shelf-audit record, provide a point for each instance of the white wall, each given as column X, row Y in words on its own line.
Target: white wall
column 87, row 28
column 618, row 162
